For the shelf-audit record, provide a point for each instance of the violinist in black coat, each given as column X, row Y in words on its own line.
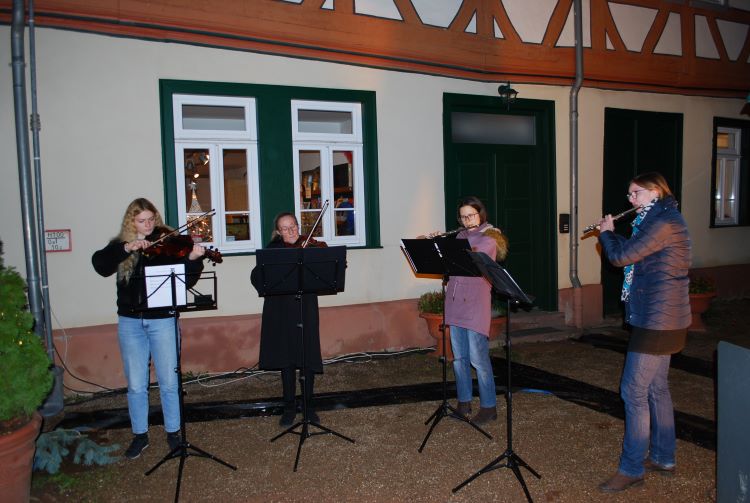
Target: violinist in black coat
column 280, row 344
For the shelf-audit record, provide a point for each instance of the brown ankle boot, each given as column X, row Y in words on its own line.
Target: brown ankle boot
column 485, row 415
column 464, row 409
column 620, row 482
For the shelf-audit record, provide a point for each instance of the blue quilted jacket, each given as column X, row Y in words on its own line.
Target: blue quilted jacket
column 660, row 251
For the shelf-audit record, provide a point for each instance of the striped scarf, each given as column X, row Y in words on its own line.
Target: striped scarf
column 628, row 280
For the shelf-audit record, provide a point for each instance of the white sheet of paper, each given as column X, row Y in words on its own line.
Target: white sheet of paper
column 159, row 285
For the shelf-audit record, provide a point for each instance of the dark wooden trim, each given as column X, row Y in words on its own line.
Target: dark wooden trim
column 307, row 31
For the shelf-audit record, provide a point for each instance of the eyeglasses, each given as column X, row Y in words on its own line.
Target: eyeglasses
column 291, row 228
column 466, row 218
column 634, row 193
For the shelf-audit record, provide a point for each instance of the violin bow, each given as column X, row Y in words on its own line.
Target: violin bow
column 184, row 227
column 315, row 225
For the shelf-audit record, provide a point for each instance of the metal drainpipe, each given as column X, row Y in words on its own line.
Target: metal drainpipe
column 54, row 403
column 30, row 241
column 574, row 145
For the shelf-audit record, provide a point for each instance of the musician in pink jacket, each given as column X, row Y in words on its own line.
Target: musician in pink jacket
column 468, row 310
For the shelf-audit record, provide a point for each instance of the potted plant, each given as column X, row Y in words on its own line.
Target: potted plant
column 431, row 309
column 26, row 381
column 700, row 291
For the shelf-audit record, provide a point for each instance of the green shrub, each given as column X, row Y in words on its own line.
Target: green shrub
column 54, row 446
column 431, row 302
column 25, row 376
column 701, row 284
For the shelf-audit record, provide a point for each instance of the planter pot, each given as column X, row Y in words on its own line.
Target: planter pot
column 497, row 331
column 433, row 326
column 699, row 304
column 497, row 327
column 16, row 458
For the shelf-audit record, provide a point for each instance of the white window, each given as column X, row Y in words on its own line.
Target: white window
column 727, row 176
column 216, row 159
column 327, row 139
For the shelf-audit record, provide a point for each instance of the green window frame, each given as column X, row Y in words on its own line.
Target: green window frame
column 273, row 105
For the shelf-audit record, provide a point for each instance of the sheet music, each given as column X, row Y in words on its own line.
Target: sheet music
column 408, row 257
column 159, row 285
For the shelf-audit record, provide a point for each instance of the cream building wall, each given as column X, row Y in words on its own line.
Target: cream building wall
column 101, row 147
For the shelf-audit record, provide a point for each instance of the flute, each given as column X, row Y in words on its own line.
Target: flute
column 616, row 217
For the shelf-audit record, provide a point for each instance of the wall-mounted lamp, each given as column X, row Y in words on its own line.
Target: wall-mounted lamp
column 746, row 109
column 507, row 94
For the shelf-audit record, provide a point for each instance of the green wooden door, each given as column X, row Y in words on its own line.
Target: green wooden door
column 635, row 142
column 515, row 182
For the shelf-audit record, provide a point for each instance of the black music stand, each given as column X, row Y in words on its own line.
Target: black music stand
column 299, row 271
column 447, row 257
column 506, row 287
column 194, row 300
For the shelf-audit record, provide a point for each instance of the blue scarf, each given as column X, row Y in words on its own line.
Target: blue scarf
column 628, row 280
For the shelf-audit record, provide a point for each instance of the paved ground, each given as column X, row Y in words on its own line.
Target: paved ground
column 566, row 424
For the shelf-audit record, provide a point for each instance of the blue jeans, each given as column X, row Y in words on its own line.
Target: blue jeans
column 649, row 416
column 471, row 349
column 141, row 339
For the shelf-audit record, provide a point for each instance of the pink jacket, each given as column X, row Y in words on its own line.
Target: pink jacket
column 467, row 299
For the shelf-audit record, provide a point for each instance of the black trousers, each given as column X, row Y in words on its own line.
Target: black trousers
column 288, row 378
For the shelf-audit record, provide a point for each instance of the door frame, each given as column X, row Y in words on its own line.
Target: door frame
column 544, row 113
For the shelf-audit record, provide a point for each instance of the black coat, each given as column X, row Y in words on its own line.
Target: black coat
column 280, row 341
column 131, row 294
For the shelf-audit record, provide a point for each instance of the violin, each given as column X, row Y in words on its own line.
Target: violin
column 311, row 243
column 166, row 243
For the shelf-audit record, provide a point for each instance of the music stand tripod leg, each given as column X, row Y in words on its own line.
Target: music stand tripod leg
column 445, row 408
column 181, row 450
column 304, row 433
column 513, row 460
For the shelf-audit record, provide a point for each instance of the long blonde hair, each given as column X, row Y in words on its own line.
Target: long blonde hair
column 128, row 233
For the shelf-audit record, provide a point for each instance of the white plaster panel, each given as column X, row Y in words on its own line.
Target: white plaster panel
column 530, row 18
column 472, row 26
column 498, row 31
column 328, row 4
column 733, row 35
column 377, row 8
column 670, row 41
column 740, row 4
column 610, row 46
column 437, row 12
column 633, row 24
column 704, row 42
column 567, row 35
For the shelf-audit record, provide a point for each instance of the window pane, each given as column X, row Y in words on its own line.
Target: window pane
column 493, row 129
column 343, row 189
column 235, row 180
column 723, row 140
column 324, row 121
column 198, row 192
column 310, row 197
column 309, row 175
column 237, row 226
column 236, row 207
column 213, row 118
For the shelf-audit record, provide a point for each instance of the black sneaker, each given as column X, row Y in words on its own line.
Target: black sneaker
column 137, row 446
column 173, row 440
column 287, row 417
